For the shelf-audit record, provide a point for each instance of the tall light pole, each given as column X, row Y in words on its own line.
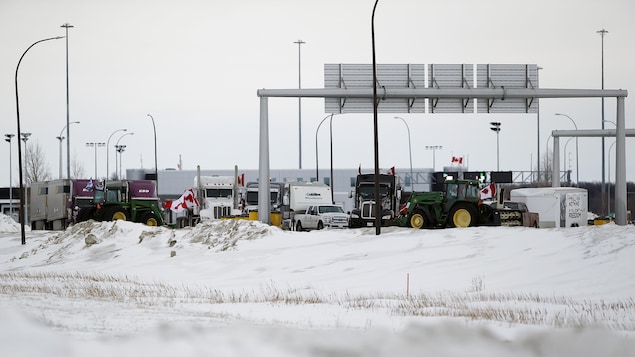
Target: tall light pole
column 603, row 32
column 375, row 125
column 496, row 126
column 564, row 157
column 300, row 43
column 434, row 148
column 317, row 170
column 17, row 109
column 156, row 167
column 25, row 138
column 409, row 152
column 120, row 149
column 95, row 145
column 61, row 138
column 538, row 138
column 8, row 139
column 68, row 129
column 577, row 172
column 108, row 150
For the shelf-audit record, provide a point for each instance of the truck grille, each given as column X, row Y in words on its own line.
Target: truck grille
column 340, row 220
column 222, row 211
column 368, row 210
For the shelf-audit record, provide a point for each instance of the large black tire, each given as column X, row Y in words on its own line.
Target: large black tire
column 150, row 219
column 115, row 213
column 462, row 215
column 85, row 214
column 419, row 219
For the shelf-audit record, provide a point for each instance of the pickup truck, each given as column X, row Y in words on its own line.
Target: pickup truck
column 321, row 216
column 528, row 219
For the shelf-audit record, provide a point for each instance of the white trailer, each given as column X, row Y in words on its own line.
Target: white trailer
column 557, row 206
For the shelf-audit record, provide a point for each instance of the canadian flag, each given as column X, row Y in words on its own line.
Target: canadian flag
column 241, row 180
column 187, row 200
column 458, row 160
column 391, row 171
column 488, row 191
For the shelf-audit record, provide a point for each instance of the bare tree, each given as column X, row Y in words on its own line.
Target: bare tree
column 77, row 168
column 37, row 168
column 547, row 167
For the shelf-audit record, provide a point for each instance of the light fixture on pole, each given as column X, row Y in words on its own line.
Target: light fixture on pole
column 603, row 32
column 496, row 126
column 8, row 139
column 300, row 43
column 68, row 124
column 108, row 150
column 156, row 167
column 95, row 145
column 17, row 110
column 121, row 149
column 434, row 148
column 409, row 152
column 577, row 173
column 61, row 138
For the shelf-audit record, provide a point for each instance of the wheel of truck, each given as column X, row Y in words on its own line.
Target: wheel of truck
column 418, row 219
column 462, row 216
column 298, row 226
column 320, row 225
column 150, row 219
column 116, row 213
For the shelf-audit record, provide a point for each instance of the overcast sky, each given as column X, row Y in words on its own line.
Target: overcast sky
column 195, row 66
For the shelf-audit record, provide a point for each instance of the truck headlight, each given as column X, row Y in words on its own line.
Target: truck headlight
column 354, row 215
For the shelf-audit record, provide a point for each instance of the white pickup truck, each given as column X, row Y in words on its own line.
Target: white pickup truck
column 320, row 216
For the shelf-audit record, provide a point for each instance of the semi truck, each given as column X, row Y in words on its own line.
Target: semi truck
column 55, row 204
column 556, row 206
column 321, row 216
column 364, row 205
column 250, row 196
column 218, row 196
column 126, row 200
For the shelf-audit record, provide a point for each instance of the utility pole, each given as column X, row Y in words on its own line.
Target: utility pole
column 68, row 126
column 299, row 42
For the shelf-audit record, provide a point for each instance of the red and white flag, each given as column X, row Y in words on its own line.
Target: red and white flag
column 488, row 191
column 187, row 200
column 458, row 160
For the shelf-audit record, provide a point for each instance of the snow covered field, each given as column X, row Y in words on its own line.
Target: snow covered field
column 241, row 288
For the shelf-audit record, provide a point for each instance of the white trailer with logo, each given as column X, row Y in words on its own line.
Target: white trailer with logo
column 298, row 196
column 557, row 206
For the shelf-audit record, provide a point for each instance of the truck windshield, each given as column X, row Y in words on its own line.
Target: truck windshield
column 252, row 197
column 218, row 193
column 368, row 191
column 331, row 209
column 98, row 196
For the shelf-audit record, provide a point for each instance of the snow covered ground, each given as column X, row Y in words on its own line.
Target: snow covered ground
column 241, row 288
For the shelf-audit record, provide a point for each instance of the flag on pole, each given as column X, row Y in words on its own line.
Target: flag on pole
column 187, row 200
column 488, row 191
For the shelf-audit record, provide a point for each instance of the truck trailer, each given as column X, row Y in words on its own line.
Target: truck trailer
column 556, row 206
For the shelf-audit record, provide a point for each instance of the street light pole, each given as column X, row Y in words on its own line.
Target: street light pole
column 496, row 126
column 25, row 137
column 156, row 166
column 409, row 153
column 317, row 171
column 61, row 138
column 68, row 130
column 603, row 32
column 108, row 150
column 577, row 172
column 8, row 139
column 120, row 150
column 300, row 43
column 95, row 145
column 17, row 109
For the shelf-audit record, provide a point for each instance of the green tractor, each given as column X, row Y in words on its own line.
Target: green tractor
column 459, row 205
column 126, row 200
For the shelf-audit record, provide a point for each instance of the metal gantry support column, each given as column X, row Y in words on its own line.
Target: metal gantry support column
column 263, row 166
column 620, row 165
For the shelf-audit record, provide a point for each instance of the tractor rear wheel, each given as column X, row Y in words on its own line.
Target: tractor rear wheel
column 463, row 215
column 418, row 219
column 116, row 213
column 150, row 219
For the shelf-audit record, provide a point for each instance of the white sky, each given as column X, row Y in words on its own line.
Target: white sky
column 195, row 67
column 125, row 294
